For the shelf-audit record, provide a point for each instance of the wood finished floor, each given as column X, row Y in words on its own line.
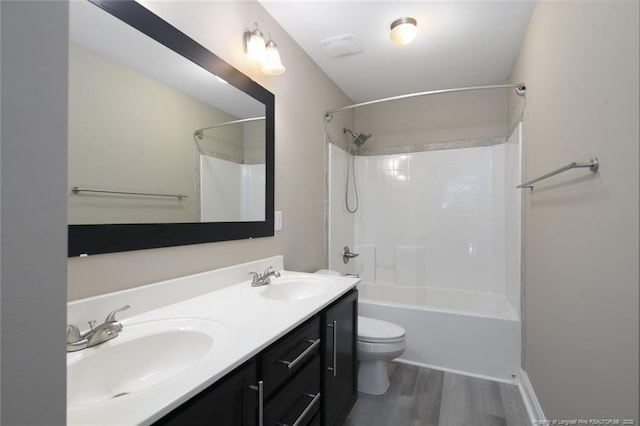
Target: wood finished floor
column 424, row 397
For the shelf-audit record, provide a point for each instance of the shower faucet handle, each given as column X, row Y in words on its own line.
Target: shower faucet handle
column 347, row 254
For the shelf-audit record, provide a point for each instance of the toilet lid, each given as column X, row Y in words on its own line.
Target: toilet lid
column 377, row 331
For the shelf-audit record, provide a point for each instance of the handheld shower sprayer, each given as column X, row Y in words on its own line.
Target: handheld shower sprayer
column 358, row 139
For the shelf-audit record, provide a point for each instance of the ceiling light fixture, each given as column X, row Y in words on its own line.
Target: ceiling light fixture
column 262, row 54
column 403, row 31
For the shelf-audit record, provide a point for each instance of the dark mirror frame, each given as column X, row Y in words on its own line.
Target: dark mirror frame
column 110, row 238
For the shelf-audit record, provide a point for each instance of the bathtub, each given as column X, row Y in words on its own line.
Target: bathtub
column 461, row 331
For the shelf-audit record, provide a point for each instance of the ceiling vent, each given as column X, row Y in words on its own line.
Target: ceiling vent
column 342, row 45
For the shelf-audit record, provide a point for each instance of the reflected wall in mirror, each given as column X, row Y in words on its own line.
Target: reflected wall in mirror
column 168, row 144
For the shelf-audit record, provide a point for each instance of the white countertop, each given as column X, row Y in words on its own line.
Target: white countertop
column 249, row 323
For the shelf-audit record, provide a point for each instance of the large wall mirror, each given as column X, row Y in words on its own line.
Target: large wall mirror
column 168, row 144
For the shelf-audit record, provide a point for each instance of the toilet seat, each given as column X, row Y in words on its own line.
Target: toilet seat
column 373, row 330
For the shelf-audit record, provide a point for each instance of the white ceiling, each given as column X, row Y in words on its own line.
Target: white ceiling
column 459, row 43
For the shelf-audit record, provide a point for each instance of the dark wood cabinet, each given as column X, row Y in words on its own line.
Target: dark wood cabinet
column 307, row 377
column 232, row 401
column 340, row 371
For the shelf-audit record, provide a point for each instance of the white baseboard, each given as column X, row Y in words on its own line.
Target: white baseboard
column 531, row 401
column 460, row 372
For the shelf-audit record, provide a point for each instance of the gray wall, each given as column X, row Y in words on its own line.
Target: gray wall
column 580, row 63
column 425, row 120
column 33, row 219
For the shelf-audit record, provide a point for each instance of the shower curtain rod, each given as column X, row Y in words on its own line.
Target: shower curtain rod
column 521, row 90
column 198, row 132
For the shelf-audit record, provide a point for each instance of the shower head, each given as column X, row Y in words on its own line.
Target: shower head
column 358, row 138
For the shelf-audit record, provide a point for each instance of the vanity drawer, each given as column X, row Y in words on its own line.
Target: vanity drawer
column 287, row 356
column 299, row 402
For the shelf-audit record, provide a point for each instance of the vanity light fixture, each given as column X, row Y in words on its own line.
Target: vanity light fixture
column 262, row 54
column 403, row 30
column 255, row 49
column 274, row 64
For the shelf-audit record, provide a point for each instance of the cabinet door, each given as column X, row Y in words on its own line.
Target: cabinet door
column 340, row 374
column 230, row 402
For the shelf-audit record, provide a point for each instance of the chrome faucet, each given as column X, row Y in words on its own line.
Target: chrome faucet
column 96, row 334
column 259, row 280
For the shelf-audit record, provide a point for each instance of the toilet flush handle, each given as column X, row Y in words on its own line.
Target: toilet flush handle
column 347, row 254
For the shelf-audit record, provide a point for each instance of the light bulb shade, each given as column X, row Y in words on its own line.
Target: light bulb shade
column 254, row 48
column 403, row 31
column 273, row 65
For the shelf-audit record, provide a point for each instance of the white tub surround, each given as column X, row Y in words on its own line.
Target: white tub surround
column 443, row 219
column 439, row 238
column 434, row 219
column 246, row 323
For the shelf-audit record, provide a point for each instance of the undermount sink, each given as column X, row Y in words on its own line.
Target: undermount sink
column 294, row 288
column 144, row 354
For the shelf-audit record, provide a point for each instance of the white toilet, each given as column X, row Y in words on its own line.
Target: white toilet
column 378, row 342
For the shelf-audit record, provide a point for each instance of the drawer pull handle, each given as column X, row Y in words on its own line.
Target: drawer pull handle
column 334, row 369
column 292, row 364
column 260, row 389
column 314, row 401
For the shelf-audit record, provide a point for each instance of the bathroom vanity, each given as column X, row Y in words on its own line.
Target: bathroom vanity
column 212, row 349
column 308, row 377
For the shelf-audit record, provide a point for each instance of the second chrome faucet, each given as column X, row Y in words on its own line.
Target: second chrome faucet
column 264, row 278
